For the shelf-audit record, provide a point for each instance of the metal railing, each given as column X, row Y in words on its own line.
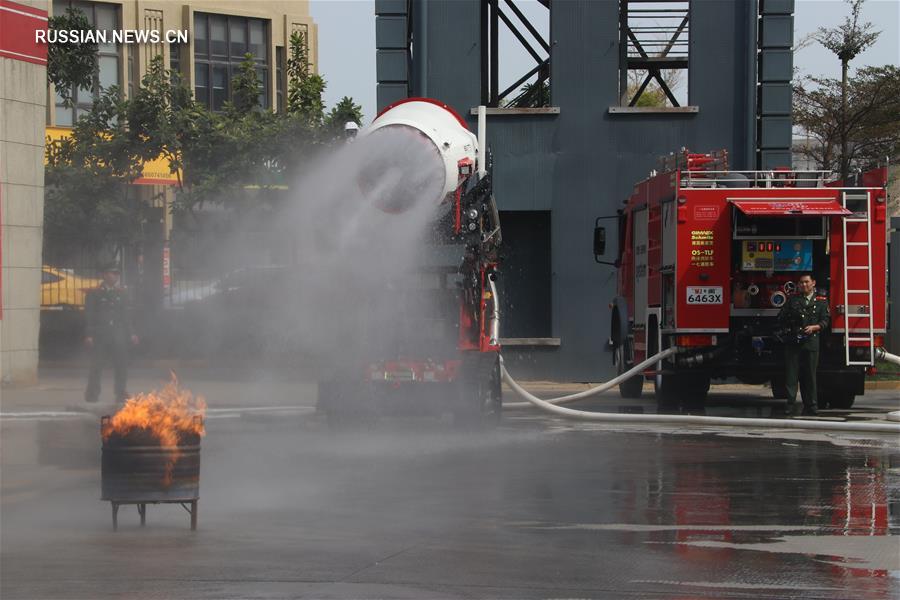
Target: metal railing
column 756, row 179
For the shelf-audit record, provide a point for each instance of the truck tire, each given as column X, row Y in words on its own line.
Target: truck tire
column 840, row 399
column 630, row 388
column 681, row 389
column 696, row 390
column 670, row 389
column 480, row 387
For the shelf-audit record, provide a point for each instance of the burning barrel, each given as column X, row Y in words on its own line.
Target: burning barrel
column 151, row 453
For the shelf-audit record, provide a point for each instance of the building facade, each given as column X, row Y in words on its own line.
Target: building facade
column 570, row 147
column 23, row 99
column 219, row 34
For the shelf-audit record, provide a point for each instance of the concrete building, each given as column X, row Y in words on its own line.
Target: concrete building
column 573, row 152
column 219, row 32
column 23, row 101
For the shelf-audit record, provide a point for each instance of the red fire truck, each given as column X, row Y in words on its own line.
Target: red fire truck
column 708, row 256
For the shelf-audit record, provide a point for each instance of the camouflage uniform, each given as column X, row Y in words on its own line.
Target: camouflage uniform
column 106, row 311
column 801, row 351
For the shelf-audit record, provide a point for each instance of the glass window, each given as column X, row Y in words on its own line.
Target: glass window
column 104, row 17
column 219, row 86
column 218, row 37
column 230, row 38
column 47, row 277
column 201, row 47
column 263, row 76
column 258, row 47
column 201, row 82
column 109, row 71
column 238, row 41
column 175, row 60
column 279, row 78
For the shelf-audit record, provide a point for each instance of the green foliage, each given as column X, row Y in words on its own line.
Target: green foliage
column 342, row 113
column 868, row 120
column 305, row 89
column 850, row 38
column 86, row 192
column 241, row 158
column 71, row 65
column 532, row 95
column 245, row 88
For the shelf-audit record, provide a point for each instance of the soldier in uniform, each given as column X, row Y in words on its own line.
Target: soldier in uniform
column 802, row 318
column 108, row 333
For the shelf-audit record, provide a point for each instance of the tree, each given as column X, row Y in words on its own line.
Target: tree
column 304, row 88
column 532, row 95
column 847, row 41
column 87, row 199
column 71, row 65
column 163, row 118
column 342, row 113
column 245, row 86
column 652, row 94
column 853, row 123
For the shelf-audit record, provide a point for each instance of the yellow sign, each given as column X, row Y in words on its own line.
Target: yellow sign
column 155, row 172
column 703, row 257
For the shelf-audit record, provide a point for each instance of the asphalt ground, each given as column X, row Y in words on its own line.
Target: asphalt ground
column 413, row 508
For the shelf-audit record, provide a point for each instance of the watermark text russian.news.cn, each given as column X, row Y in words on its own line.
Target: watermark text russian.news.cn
column 115, row 36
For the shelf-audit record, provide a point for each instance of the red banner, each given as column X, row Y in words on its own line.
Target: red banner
column 17, row 26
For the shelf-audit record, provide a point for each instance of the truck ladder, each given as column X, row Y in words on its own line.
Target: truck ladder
column 857, row 221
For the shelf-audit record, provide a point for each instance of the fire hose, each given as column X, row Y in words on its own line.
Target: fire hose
column 882, row 354
column 551, row 406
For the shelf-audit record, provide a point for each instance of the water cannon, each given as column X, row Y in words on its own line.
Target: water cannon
column 424, row 144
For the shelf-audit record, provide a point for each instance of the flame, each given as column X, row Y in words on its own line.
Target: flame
column 166, row 415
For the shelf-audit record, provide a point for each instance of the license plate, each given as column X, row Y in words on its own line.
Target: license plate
column 704, row 295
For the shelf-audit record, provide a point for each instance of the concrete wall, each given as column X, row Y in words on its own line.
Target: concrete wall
column 23, row 94
column 583, row 162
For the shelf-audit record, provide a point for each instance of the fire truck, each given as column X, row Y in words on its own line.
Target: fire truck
column 707, row 257
column 428, row 341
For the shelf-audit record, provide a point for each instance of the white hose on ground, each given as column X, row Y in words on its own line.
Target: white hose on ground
column 585, row 415
column 882, row 354
column 635, row 370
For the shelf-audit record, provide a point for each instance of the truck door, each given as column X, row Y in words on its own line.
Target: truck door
column 639, row 248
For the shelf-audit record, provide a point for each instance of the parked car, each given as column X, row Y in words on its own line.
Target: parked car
column 63, row 289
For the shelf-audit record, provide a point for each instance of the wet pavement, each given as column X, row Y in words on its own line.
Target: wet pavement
column 414, row 509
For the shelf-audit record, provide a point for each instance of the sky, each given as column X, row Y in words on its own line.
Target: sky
column 347, row 42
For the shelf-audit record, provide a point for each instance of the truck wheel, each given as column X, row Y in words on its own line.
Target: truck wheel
column 481, row 402
column 840, row 399
column 681, row 389
column 696, row 389
column 670, row 391
column 630, row 388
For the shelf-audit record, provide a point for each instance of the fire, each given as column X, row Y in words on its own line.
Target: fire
column 167, row 415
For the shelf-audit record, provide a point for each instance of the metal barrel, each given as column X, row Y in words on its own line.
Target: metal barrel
column 134, row 469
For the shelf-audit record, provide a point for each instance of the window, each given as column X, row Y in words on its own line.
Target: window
column 518, row 76
column 103, row 17
column 175, row 60
column 279, row 78
column 220, row 42
column 654, row 42
column 47, row 277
